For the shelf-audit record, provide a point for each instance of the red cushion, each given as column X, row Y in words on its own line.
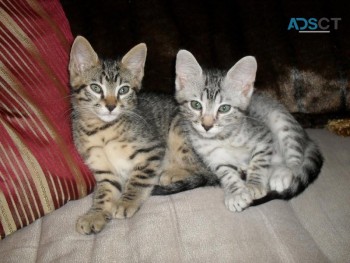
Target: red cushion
column 40, row 170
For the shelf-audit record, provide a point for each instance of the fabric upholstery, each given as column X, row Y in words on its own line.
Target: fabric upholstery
column 195, row 226
column 39, row 167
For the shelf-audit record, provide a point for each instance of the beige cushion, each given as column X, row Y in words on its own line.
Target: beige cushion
column 195, row 226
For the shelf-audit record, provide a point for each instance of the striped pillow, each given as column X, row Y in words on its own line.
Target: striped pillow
column 40, row 169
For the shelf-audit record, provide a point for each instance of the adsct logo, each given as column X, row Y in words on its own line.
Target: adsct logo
column 313, row 25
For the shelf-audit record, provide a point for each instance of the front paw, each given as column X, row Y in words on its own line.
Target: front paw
column 125, row 209
column 239, row 200
column 256, row 191
column 92, row 222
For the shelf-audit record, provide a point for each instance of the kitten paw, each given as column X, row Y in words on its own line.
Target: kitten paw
column 281, row 180
column 171, row 176
column 256, row 191
column 165, row 179
column 238, row 201
column 92, row 222
column 125, row 210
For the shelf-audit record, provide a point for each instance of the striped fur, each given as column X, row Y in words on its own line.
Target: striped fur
column 240, row 134
column 121, row 148
column 299, row 153
column 128, row 140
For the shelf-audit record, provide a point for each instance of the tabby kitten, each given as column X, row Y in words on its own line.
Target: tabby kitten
column 240, row 134
column 128, row 139
column 120, row 147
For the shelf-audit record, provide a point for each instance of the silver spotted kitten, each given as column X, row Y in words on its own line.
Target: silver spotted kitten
column 249, row 141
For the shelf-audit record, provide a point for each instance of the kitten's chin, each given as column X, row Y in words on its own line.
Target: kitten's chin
column 208, row 134
column 108, row 117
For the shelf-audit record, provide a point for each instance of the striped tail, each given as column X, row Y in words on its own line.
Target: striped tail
column 305, row 175
column 308, row 172
column 197, row 180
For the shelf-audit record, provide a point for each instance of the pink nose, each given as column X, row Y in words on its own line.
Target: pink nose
column 207, row 122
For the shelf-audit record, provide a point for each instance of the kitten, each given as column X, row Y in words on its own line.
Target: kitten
column 241, row 134
column 120, row 147
column 127, row 139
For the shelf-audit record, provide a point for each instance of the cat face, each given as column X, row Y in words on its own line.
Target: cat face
column 105, row 89
column 213, row 102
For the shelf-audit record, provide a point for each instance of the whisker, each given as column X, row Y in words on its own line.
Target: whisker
column 248, row 117
column 139, row 117
column 62, row 98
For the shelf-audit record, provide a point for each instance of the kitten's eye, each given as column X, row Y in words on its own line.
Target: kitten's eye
column 224, row 108
column 196, row 105
column 123, row 90
column 96, row 88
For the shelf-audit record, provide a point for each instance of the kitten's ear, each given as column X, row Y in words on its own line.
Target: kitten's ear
column 82, row 56
column 187, row 69
column 243, row 73
column 135, row 60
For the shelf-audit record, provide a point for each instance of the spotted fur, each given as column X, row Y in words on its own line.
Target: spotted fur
column 250, row 142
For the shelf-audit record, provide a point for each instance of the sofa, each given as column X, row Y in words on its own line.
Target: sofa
column 195, row 226
column 45, row 186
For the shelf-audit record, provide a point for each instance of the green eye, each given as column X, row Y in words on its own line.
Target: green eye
column 96, row 88
column 123, row 90
column 224, row 108
column 196, row 105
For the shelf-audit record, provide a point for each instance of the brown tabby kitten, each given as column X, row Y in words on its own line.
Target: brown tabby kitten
column 124, row 138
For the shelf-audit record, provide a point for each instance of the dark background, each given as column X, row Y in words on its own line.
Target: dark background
column 219, row 33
